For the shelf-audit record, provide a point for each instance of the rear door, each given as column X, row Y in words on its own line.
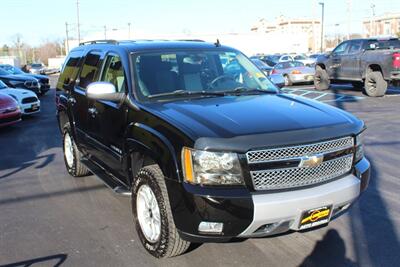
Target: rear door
column 89, row 73
column 107, row 119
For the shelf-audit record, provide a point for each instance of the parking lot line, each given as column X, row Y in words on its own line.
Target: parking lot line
column 322, row 96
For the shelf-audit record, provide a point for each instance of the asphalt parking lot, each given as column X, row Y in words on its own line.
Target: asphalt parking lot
column 48, row 218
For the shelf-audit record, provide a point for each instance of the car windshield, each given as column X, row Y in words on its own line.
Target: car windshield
column 197, row 73
column 12, row 70
column 36, row 65
column 300, row 57
column 4, row 72
column 292, row 64
column 2, row 85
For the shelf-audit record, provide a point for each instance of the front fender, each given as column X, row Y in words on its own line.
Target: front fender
column 153, row 144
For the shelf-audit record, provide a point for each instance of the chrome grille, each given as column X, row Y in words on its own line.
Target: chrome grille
column 294, row 152
column 274, row 179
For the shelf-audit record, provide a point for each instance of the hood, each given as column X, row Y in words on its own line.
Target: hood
column 291, row 119
column 18, row 93
column 7, row 101
column 18, row 77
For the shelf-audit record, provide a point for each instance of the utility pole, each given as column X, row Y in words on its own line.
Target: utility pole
column 129, row 30
column 77, row 17
column 67, row 38
column 105, row 32
column 322, row 25
column 372, row 24
column 337, row 33
column 349, row 7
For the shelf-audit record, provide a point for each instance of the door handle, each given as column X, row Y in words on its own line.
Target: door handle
column 71, row 100
column 93, row 112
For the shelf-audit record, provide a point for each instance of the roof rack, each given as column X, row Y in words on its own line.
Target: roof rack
column 99, row 42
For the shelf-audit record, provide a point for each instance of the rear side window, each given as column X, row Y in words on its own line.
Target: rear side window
column 71, row 67
column 355, row 47
column 90, row 69
column 114, row 73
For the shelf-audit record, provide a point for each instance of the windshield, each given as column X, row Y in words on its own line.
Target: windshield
column 300, row 57
column 2, row 85
column 36, row 65
column 195, row 72
column 12, row 70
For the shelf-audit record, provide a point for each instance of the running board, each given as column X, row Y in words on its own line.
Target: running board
column 107, row 178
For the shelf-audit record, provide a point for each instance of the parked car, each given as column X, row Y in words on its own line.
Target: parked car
column 9, row 110
column 27, row 100
column 370, row 63
column 15, row 78
column 270, row 60
column 307, row 61
column 294, row 72
column 262, row 66
column 37, row 68
column 285, row 58
column 206, row 156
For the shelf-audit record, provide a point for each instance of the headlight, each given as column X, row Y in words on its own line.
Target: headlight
column 359, row 154
column 211, row 168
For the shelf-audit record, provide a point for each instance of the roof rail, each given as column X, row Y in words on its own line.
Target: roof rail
column 99, row 42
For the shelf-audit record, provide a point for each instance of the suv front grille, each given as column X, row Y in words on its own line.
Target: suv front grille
column 287, row 178
column 292, row 177
column 29, row 100
column 294, row 152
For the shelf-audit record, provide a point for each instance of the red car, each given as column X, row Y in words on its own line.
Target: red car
column 9, row 110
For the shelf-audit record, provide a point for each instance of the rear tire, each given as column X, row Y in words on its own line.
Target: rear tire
column 72, row 156
column 375, row 84
column 288, row 82
column 321, row 79
column 166, row 242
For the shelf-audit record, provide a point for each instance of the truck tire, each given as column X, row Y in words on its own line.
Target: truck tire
column 153, row 216
column 72, row 156
column 375, row 84
column 321, row 79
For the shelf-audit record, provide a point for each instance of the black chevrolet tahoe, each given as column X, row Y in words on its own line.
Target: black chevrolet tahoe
column 206, row 146
column 370, row 64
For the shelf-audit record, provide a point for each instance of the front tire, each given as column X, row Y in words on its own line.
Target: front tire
column 375, row 84
column 288, row 82
column 153, row 216
column 321, row 79
column 72, row 156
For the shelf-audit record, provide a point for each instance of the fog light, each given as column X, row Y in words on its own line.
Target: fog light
column 211, row 227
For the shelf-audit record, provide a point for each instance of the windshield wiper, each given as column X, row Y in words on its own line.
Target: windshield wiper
column 187, row 93
column 243, row 89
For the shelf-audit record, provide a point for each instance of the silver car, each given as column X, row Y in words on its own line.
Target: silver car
column 294, row 72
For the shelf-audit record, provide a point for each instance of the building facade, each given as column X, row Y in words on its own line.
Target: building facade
column 310, row 28
column 387, row 24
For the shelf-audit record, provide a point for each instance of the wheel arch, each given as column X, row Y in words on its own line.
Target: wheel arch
column 372, row 67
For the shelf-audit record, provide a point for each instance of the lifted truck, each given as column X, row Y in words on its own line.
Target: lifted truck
column 208, row 148
column 369, row 63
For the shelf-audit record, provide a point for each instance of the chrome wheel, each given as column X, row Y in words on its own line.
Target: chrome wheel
column 148, row 213
column 68, row 150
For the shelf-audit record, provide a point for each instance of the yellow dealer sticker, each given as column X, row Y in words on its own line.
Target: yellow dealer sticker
column 315, row 217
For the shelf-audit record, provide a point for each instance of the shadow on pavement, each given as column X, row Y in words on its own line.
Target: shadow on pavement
column 330, row 251
column 57, row 259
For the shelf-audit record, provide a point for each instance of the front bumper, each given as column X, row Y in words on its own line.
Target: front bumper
column 260, row 214
column 28, row 109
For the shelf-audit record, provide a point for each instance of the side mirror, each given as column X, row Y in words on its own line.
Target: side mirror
column 278, row 80
column 103, row 91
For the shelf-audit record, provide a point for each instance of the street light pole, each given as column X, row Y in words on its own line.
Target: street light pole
column 77, row 17
column 129, row 30
column 105, row 32
column 322, row 25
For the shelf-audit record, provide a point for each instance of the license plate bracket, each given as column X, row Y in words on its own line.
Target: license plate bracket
column 314, row 217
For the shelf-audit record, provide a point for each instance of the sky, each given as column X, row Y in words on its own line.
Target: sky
column 40, row 20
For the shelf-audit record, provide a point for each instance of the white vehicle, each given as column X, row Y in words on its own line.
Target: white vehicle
column 27, row 100
column 285, row 58
column 307, row 61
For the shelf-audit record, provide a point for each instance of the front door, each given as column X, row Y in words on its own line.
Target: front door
column 107, row 119
column 336, row 70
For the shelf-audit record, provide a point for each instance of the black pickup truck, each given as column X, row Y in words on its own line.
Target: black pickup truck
column 369, row 63
column 206, row 146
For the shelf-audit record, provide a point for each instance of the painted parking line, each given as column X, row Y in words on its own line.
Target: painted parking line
column 322, row 96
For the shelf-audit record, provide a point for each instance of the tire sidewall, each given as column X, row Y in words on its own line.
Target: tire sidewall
column 158, row 248
column 380, row 84
column 71, row 169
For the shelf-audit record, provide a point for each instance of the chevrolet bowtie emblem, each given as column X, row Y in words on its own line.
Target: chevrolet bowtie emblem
column 311, row 161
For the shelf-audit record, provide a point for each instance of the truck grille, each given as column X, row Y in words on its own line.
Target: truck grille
column 293, row 152
column 293, row 177
column 275, row 179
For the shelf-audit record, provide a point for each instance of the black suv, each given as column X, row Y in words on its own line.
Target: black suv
column 207, row 147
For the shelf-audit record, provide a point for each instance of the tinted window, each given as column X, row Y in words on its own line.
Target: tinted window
column 341, row 49
column 355, row 47
column 90, row 69
column 384, row 44
column 114, row 72
column 71, row 67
